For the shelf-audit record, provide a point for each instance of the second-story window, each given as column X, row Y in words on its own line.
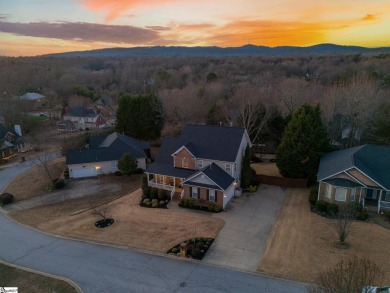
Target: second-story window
column 184, row 163
column 228, row 167
column 200, row 164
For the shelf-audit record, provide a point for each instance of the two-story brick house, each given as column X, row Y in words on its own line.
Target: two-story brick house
column 204, row 163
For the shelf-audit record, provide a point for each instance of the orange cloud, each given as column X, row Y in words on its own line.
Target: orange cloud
column 116, row 8
column 369, row 17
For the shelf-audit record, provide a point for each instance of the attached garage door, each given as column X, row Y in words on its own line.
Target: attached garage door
column 85, row 172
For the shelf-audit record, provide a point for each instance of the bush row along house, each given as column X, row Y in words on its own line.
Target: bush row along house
column 203, row 163
column 359, row 174
column 103, row 155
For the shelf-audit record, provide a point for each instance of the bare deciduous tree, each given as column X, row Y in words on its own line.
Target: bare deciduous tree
column 343, row 220
column 348, row 276
column 101, row 211
column 41, row 160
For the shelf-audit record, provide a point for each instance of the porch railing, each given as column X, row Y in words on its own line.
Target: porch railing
column 172, row 192
column 385, row 204
column 161, row 185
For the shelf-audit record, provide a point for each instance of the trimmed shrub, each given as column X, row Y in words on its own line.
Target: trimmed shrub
column 146, row 200
column 118, row 173
column 148, row 203
column 313, row 197
column 195, row 253
column 252, row 188
column 144, row 184
column 211, row 207
column 154, row 204
column 147, row 192
column 6, row 198
column 332, row 209
column 66, row 173
column 191, row 203
column 154, row 193
column 161, row 194
column 162, row 202
column 362, row 216
column 217, row 208
column 322, row 206
column 154, row 201
column 59, row 184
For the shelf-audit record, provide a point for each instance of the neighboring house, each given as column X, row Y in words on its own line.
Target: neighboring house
column 103, row 155
column 66, row 126
column 85, row 119
column 358, row 174
column 204, row 163
column 11, row 141
column 33, row 97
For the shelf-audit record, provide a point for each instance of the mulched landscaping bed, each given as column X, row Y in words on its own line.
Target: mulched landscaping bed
column 153, row 203
column 196, row 248
column 103, row 223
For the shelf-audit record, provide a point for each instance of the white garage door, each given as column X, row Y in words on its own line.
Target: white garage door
column 86, row 172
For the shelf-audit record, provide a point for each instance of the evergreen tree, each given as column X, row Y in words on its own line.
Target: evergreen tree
column 246, row 171
column 127, row 164
column 304, row 141
column 140, row 116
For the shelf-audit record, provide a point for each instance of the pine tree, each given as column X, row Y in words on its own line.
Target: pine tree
column 304, row 141
column 140, row 116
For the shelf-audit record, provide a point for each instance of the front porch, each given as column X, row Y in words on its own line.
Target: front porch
column 376, row 200
column 170, row 183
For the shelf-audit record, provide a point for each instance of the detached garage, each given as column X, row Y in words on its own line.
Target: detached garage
column 103, row 155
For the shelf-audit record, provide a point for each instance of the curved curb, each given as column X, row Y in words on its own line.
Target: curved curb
column 69, row 281
column 198, row 262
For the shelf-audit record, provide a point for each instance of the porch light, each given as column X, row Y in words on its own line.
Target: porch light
column 235, row 183
column 97, row 167
column 224, row 195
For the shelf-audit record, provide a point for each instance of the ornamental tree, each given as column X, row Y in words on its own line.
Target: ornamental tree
column 127, row 164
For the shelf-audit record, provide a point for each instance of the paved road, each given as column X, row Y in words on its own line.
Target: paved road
column 97, row 268
column 248, row 222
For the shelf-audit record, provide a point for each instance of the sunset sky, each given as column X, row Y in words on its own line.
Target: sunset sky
column 34, row 27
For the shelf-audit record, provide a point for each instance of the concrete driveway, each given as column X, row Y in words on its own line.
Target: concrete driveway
column 75, row 189
column 248, row 223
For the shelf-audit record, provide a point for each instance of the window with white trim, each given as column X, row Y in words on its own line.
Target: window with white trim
column 184, row 163
column 228, row 167
column 195, row 192
column 200, row 164
column 341, row 194
column 212, row 195
column 113, row 164
column 387, row 196
column 328, row 191
column 353, row 193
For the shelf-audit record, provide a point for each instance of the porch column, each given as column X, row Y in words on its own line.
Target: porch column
column 379, row 201
column 319, row 191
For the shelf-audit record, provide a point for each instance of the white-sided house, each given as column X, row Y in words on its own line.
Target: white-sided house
column 103, row 155
column 85, row 119
column 204, row 163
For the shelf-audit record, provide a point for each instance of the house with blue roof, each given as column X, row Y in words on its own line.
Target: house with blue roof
column 81, row 118
column 103, row 155
column 203, row 163
column 358, row 174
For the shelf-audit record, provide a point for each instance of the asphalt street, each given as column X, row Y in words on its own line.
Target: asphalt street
column 100, row 268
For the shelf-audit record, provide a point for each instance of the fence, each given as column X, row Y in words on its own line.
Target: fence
column 281, row 181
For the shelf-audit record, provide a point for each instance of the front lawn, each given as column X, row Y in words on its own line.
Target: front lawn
column 155, row 230
column 302, row 243
column 31, row 282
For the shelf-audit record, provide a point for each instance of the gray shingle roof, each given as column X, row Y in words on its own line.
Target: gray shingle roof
column 373, row 160
column 217, row 175
column 109, row 148
column 81, row 112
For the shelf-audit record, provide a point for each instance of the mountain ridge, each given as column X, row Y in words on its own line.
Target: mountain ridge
column 173, row 51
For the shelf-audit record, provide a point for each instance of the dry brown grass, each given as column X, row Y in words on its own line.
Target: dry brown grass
column 145, row 228
column 302, row 243
column 266, row 168
column 34, row 181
